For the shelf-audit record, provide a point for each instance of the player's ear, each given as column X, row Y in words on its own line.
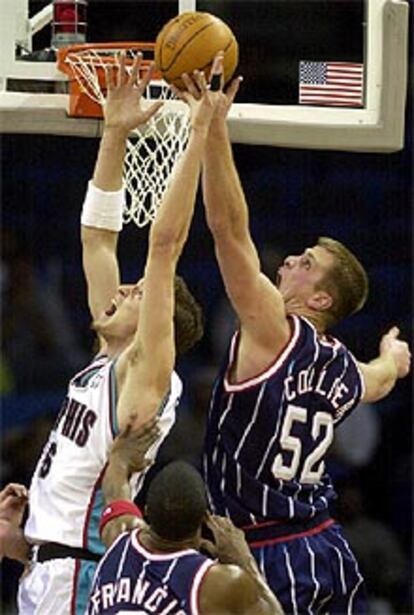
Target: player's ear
column 320, row 301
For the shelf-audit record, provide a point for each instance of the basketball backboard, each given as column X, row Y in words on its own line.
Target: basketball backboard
column 275, row 38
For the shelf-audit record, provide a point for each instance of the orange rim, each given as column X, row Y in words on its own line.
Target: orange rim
column 77, row 50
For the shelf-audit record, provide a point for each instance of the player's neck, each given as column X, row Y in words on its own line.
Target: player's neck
column 151, row 541
column 114, row 346
column 316, row 318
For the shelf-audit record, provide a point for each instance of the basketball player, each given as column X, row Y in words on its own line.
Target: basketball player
column 284, row 386
column 136, row 329
column 158, row 568
column 13, row 502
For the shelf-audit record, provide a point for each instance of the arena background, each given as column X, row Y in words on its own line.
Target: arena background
column 294, row 196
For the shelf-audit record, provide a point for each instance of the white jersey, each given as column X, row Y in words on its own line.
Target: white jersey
column 66, row 498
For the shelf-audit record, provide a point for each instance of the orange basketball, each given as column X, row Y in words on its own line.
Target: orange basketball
column 190, row 41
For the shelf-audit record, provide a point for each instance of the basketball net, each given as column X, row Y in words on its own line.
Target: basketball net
column 152, row 149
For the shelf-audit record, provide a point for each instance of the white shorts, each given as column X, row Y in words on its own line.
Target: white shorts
column 56, row 587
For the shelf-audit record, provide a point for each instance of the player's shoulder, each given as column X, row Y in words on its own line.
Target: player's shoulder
column 227, row 588
column 87, row 376
column 116, row 547
column 304, row 326
column 176, row 384
column 324, row 341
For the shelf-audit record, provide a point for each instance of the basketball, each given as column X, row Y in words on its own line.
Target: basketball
column 190, row 41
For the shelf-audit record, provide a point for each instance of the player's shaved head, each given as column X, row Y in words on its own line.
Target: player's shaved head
column 176, row 501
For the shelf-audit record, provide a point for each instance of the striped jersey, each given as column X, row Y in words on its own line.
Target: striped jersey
column 129, row 578
column 66, row 499
column 267, row 437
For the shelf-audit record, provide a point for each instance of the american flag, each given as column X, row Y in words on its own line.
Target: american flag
column 337, row 84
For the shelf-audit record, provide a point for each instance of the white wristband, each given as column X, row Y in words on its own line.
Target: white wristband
column 103, row 209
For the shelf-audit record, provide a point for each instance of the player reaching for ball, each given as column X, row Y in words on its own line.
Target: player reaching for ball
column 283, row 388
column 132, row 378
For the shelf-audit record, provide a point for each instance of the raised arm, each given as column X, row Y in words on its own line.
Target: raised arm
column 258, row 303
column 102, row 210
column 393, row 362
column 149, row 361
column 127, row 457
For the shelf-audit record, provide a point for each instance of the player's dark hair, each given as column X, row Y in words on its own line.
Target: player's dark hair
column 176, row 501
column 346, row 281
column 188, row 318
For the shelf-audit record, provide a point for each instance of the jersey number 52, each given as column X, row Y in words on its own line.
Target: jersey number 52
column 313, row 465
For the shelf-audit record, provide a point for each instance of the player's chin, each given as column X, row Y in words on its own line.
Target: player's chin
column 97, row 325
column 101, row 322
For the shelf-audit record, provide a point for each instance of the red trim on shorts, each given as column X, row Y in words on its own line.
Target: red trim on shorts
column 74, row 588
column 315, row 530
column 253, row 526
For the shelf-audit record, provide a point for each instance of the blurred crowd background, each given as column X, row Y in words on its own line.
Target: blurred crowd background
column 364, row 200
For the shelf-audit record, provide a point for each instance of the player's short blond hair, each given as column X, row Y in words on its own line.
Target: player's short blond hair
column 346, row 282
column 188, row 318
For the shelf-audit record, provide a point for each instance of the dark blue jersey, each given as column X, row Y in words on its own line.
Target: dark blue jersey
column 267, row 437
column 131, row 578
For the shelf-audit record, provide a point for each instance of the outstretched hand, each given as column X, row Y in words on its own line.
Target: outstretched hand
column 202, row 96
column 229, row 546
column 123, row 107
column 226, row 99
column 131, row 446
column 398, row 349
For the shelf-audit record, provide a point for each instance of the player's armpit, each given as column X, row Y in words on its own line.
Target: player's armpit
column 229, row 590
column 141, row 385
column 140, row 397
